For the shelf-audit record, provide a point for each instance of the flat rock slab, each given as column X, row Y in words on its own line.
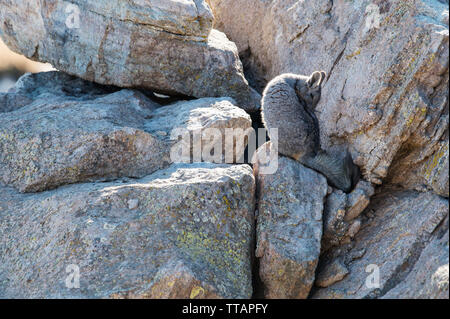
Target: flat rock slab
column 63, row 130
column 390, row 248
column 289, row 227
column 188, row 234
column 165, row 46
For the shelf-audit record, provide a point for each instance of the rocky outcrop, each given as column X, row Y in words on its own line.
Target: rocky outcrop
column 289, row 226
column 341, row 216
column 391, row 250
column 182, row 232
column 386, row 94
column 65, row 130
column 101, row 207
column 429, row 277
column 386, row 99
column 167, row 46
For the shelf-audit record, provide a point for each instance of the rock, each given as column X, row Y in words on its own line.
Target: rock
column 395, row 52
column 432, row 171
column 340, row 213
column 354, row 228
column 389, row 248
column 72, row 131
column 133, row 203
column 29, row 87
column 173, row 281
column 334, row 225
column 429, row 277
column 289, row 226
column 167, row 46
column 9, row 102
column 331, row 274
column 203, row 116
column 190, row 237
column 358, row 200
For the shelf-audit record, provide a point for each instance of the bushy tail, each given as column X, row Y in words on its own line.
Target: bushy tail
column 341, row 173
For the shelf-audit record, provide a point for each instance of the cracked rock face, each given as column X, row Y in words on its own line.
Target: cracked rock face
column 166, row 45
column 289, row 227
column 88, row 183
column 341, row 214
column 429, row 277
column 392, row 250
column 386, row 94
column 62, row 130
column 330, row 273
column 188, row 234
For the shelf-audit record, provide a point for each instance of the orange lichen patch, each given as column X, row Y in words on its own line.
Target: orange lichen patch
column 357, row 52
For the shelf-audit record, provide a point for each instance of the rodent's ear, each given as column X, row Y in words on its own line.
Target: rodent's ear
column 316, row 79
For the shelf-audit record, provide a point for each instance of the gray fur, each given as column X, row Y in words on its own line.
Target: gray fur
column 288, row 104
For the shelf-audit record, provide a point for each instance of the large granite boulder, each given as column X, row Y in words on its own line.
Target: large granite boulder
column 429, row 277
column 289, row 226
column 400, row 252
column 386, row 93
column 60, row 130
column 182, row 232
column 166, row 45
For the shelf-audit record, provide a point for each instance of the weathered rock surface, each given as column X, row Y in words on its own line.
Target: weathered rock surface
column 432, row 171
column 392, row 245
column 289, row 227
column 341, row 212
column 166, row 45
column 386, row 94
column 64, row 130
column 188, row 235
column 164, row 230
column 334, row 226
column 331, row 273
column 429, row 277
column 30, row 87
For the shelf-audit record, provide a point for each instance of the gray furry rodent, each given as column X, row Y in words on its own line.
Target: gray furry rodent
column 288, row 104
